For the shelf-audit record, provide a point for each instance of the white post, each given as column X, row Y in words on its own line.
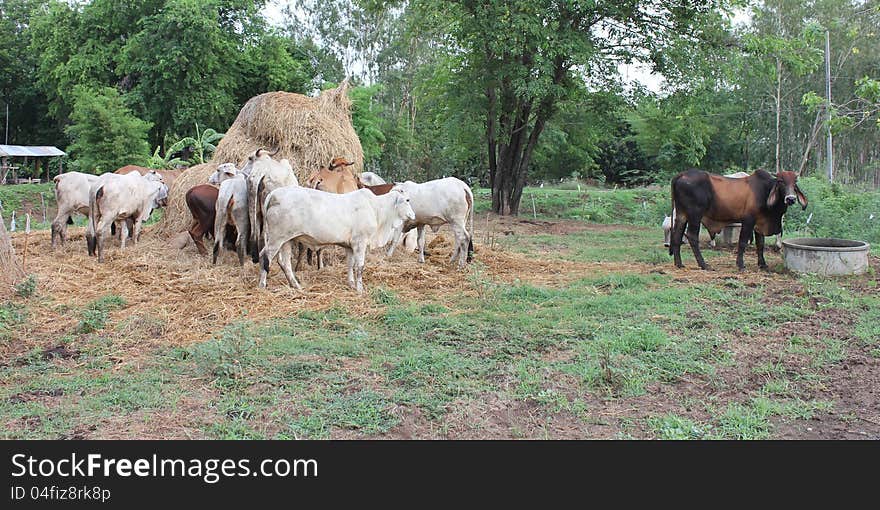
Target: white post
column 829, row 149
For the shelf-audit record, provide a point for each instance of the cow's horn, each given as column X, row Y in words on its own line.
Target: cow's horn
column 275, row 151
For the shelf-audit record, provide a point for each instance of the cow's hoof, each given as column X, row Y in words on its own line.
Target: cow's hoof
column 708, row 268
column 764, row 267
column 741, row 269
column 680, row 266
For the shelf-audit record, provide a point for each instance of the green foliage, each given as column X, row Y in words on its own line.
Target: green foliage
column 228, row 356
column 26, row 287
column 202, row 145
column 365, row 117
column 105, row 134
column 94, row 316
column 837, row 211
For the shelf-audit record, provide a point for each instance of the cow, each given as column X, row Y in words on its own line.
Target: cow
column 758, row 202
column 115, row 198
column 410, row 238
column 355, row 221
column 264, row 175
column 436, row 203
column 334, row 178
column 201, row 200
column 231, row 209
column 72, row 196
column 668, row 223
column 371, row 179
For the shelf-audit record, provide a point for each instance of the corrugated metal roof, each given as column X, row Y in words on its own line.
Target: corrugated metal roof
column 31, row 152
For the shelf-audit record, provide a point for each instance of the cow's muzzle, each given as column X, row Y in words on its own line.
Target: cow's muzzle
column 790, row 199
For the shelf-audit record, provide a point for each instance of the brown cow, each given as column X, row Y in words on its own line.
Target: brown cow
column 334, row 178
column 758, row 202
column 202, row 201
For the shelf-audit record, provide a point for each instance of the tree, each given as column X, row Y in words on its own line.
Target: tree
column 526, row 55
column 105, row 134
column 365, row 118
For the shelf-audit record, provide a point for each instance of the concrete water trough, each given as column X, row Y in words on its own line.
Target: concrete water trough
column 825, row 256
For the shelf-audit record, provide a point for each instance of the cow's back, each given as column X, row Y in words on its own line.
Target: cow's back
column 325, row 217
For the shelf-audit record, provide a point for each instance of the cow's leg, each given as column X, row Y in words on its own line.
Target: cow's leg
column 267, row 255
column 241, row 242
column 360, row 255
column 123, row 233
column 284, row 257
column 59, row 226
column 197, row 232
column 745, row 235
column 759, row 247
column 394, row 241
column 421, row 243
column 319, row 253
column 677, row 239
column 101, row 232
column 349, row 259
column 461, row 243
column 299, row 255
column 693, row 233
column 219, row 236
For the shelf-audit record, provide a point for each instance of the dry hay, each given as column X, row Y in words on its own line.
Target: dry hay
column 193, row 300
column 308, row 131
column 176, row 215
column 9, row 265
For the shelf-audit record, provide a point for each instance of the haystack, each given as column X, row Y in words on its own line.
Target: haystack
column 10, row 269
column 176, row 216
column 308, row 131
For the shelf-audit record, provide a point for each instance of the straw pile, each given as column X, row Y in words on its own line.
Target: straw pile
column 308, row 131
column 182, row 298
column 9, row 266
column 176, row 216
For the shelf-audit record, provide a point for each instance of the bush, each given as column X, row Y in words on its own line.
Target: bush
column 837, row 211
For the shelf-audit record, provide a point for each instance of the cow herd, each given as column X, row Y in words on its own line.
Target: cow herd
column 261, row 210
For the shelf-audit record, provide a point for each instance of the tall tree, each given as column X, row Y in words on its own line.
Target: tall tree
column 526, row 54
column 105, row 134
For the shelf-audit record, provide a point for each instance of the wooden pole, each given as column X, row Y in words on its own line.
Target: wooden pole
column 27, row 231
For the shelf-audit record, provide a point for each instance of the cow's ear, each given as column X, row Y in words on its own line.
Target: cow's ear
column 774, row 195
column 801, row 197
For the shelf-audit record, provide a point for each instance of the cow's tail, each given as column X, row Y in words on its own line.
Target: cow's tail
column 94, row 218
column 470, row 200
column 256, row 225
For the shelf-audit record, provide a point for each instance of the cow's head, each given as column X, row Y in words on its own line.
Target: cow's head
column 161, row 199
column 786, row 188
column 153, row 175
column 402, row 205
column 223, row 172
column 338, row 163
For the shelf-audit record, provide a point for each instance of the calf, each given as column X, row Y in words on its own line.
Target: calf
column 72, row 196
column 758, row 202
column 334, row 178
column 355, row 221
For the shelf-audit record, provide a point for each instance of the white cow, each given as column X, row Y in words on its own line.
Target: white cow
column 115, row 198
column 72, row 196
column 668, row 221
column 355, row 221
column 264, row 175
column 231, row 208
column 436, row 203
column 371, row 179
